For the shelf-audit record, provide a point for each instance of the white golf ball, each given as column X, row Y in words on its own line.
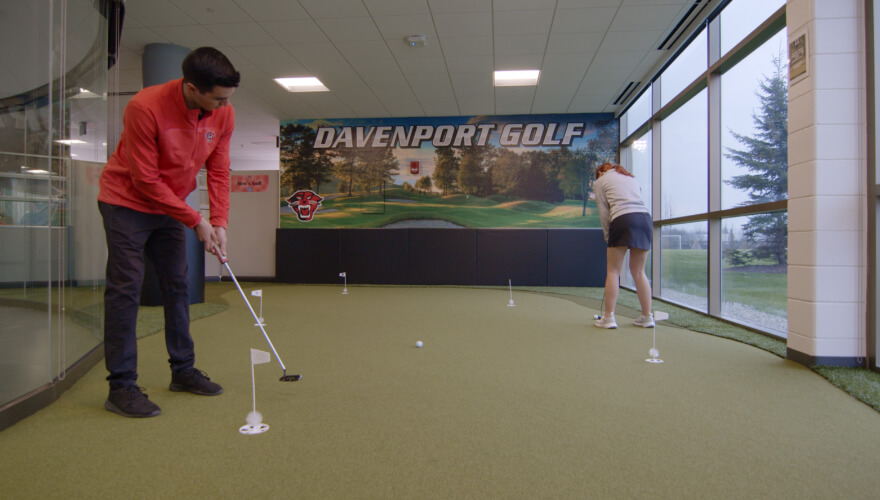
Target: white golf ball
column 419, row 344
column 654, row 352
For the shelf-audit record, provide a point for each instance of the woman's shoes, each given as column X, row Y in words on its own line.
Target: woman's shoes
column 646, row 321
column 606, row 321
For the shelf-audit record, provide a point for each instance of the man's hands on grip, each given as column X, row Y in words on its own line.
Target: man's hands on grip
column 214, row 237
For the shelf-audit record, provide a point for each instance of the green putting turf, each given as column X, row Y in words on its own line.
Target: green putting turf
column 501, row 402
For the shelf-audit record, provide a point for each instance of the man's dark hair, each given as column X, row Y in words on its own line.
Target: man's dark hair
column 207, row 67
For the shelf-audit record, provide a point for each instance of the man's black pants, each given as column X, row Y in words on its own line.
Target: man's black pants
column 130, row 236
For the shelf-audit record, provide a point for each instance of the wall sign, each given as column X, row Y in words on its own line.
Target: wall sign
column 249, row 183
column 516, row 171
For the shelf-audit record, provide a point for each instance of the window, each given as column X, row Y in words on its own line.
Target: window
column 754, row 274
column 741, row 17
column 684, row 260
column 690, row 64
column 639, row 112
column 754, row 107
column 684, row 154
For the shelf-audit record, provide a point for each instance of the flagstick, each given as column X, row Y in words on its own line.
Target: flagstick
column 510, row 286
column 253, row 384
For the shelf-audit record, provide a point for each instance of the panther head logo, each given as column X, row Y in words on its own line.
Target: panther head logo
column 305, row 203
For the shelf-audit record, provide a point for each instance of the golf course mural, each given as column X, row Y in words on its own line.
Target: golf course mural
column 513, row 171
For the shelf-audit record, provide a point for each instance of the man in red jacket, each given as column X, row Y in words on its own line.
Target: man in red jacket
column 170, row 131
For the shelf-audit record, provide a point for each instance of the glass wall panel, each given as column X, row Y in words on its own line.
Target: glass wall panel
column 687, row 67
column 52, row 111
column 641, row 169
column 684, row 151
column 684, row 262
column 741, row 17
column 754, row 276
column 754, row 126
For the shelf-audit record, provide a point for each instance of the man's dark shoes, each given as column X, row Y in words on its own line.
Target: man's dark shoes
column 194, row 381
column 131, row 401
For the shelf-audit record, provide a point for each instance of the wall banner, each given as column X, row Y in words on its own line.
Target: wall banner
column 514, row 171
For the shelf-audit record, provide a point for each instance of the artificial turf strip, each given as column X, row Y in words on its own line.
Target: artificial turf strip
column 863, row 384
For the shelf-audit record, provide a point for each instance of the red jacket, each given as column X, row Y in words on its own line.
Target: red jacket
column 162, row 148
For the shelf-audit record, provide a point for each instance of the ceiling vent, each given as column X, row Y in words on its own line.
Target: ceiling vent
column 684, row 24
column 630, row 88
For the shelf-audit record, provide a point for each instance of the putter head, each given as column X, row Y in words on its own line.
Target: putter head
column 290, row 378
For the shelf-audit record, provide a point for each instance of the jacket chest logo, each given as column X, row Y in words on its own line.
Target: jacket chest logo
column 210, row 136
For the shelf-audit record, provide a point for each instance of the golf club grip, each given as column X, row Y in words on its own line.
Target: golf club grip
column 222, row 258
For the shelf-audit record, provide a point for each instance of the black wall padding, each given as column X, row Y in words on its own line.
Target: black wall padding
column 422, row 256
column 519, row 255
column 442, row 256
column 575, row 257
column 374, row 256
column 308, row 256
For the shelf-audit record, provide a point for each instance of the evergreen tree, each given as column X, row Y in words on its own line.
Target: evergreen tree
column 302, row 166
column 765, row 155
column 445, row 169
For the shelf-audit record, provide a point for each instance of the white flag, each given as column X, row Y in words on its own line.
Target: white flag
column 259, row 357
column 257, row 293
column 660, row 316
column 341, row 275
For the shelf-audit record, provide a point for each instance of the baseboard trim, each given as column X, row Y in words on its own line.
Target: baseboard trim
column 34, row 401
column 813, row 361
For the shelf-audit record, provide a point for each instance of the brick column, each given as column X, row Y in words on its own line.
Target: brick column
column 827, row 226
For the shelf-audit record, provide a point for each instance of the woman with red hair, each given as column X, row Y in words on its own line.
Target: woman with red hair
column 627, row 226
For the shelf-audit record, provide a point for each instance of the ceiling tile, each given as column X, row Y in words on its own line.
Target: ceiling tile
column 396, row 7
column 583, row 20
column 241, row 34
column 155, row 13
column 272, row 10
column 502, row 5
column 513, row 61
column 564, row 43
column 566, row 63
column 432, row 66
column 321, row 54
column 322, row 9
column 476, row 24
column 632, row 40
column 400, row 27
column 514, row 100
column 467, row 45
column 522, row 44
column 212, row 11
column 364, row 50
column 189, row 36
column 350, row 29
column 459, row 6
column 403, row 52
column 290, row 32
column 522, row 22
column 468, row 64
column 651, row 17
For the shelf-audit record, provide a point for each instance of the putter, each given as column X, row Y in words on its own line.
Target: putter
column 284, row 377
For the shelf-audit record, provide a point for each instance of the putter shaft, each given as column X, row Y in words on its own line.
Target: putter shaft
column 224, row 260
